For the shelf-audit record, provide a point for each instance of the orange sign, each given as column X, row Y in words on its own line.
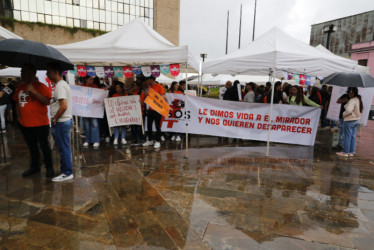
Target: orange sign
column 155, row 101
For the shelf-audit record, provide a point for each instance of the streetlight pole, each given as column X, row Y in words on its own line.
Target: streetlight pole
column 227, row 31
column 254, row 22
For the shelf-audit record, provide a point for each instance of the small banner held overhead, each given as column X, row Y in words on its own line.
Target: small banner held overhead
column 302, row 79
column 146, row 71
column 91, row 71
column 100, row 72
column 155, row 101
column 82, row 71
column 165, row 69
column 174, row 69
column 155, row 71
column 137, row 70
column 118, row 72
column 127, row 71
column 108, row 71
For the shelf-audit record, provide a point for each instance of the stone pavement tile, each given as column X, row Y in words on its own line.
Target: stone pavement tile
column 285, row 243
column 323, row 236
column 369, row 214
column 224, row 237
column 195, row 245
column 19, row 209
column 362, row 241
column 321, row 246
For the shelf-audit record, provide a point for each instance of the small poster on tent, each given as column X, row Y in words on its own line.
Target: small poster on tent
column 109, row 71
column 118, row 72
column 127, row 71
column 165, row 69
column 91, row 71
column 302, row 79
column 74, row 72
column 124, row 110
column 88, row 102
column 100, row 72
column 137, row 70
column 174, row 69
column 155, row 71
column 82, row 71
column 146, row 70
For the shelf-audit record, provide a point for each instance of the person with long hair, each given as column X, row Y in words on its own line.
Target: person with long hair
column 174, row 88
column 136, row 130
column 315, row 96
column 250, row 95
column 352, row 116
column 120, row 91
column 298, row 98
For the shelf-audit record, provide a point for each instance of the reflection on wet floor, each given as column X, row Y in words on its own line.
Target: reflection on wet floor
column 225, row 195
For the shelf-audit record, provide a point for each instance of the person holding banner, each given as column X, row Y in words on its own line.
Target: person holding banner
column 152, row 115
column 61, row 113
column 343, row 100
column 120, row 91
column 174, row 89
column 297, row 97
column 136, row 130
column 352, row 116
column 91, row 125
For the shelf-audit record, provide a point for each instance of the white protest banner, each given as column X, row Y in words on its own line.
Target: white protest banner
column 291, row 124
column 88, row 102
column 124, row 110
column 334, row 107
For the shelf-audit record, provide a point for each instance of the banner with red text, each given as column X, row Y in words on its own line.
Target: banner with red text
column 291, row 124
column 124, row 110
column 88, row 102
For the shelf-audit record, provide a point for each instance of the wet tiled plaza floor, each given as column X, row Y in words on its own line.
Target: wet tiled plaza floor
column 225, row 195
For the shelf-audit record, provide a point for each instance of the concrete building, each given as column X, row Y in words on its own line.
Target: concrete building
column 364, row 54
column 344, row 32
column 102, row 15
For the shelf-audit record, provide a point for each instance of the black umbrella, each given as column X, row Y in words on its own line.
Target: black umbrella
column 17, row 52
column 354, row 79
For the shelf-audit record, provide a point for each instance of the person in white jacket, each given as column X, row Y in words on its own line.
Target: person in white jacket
column 352, row 116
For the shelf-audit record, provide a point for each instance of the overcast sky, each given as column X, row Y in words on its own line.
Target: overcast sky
column 203, row 22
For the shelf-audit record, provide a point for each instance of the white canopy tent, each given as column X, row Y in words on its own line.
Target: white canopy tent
column 276, row 51
column 132, row 44
column 10, row 72
column 210, row 79
column 6, row 34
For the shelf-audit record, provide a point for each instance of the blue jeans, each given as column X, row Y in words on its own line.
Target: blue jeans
column 123, row 132
column 350, row 128
column 61, row 134
column 92, row 130
column 341, row 132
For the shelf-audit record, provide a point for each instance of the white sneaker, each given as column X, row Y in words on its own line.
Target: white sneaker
column 172, row 138
column 157, row 145
column 107, row 140
column 162, row 138
column 85, row 145
column 62, row 177
column 178, row 138
column 115, row 142
column 96, row 145
column 123, row 141
column 148, row 143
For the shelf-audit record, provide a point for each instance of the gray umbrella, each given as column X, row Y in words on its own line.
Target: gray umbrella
column 355, row 79
column 17, row 52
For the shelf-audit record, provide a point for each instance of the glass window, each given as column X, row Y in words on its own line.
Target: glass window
column 96, row 4
column 62, row 10
column 76, row 22
column 108, row 17
column 96, row 26
column 102, row 26
column 70, row 22
column 146, row 3
column 61, row 1
column 89, row 4
column 17, row 14
column 70, row 2
column 151, row 4
column 75, row 2
column 83, row 24
column 48, row 19
column 55, row 11
column 55, row 20
column 142, row 3
column 114, row 7
column 69, row 11
column 96, row 15
column 132, row 10
column 17, row 4
column 40, row 6
column 114, row 18
column 83, row 3
column 137, row 2
column 90, row 25
column 126, row 9
column 120, row 19
column 83, row 13
column 102, row 17
column 120, row 7
column 75, row 12
column 32, row 6
column 25, row 16
column 102, row 5
column 151, row 13
column 24, row 5
column 127, row 1
column 132, row 2
column 146, row 12
column 142, row 12
column 41, row 18
column 63, row 21
column 108, row 5
column 89, row 14
column 137, row 11
column 33, row 17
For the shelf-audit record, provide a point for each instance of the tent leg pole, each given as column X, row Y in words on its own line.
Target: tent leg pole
column 186, row 103
column 200, row 79
column 271, row 113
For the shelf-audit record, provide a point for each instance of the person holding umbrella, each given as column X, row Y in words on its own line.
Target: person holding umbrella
column 61, row 114
column 352, row 116
column 32, row 98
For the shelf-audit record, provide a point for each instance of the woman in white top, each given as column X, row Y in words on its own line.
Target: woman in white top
column 250, row 96
column 352, row 116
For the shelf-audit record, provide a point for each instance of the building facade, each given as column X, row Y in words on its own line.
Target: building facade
column 364, row 54
column 104, row 15
column 344, row 32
